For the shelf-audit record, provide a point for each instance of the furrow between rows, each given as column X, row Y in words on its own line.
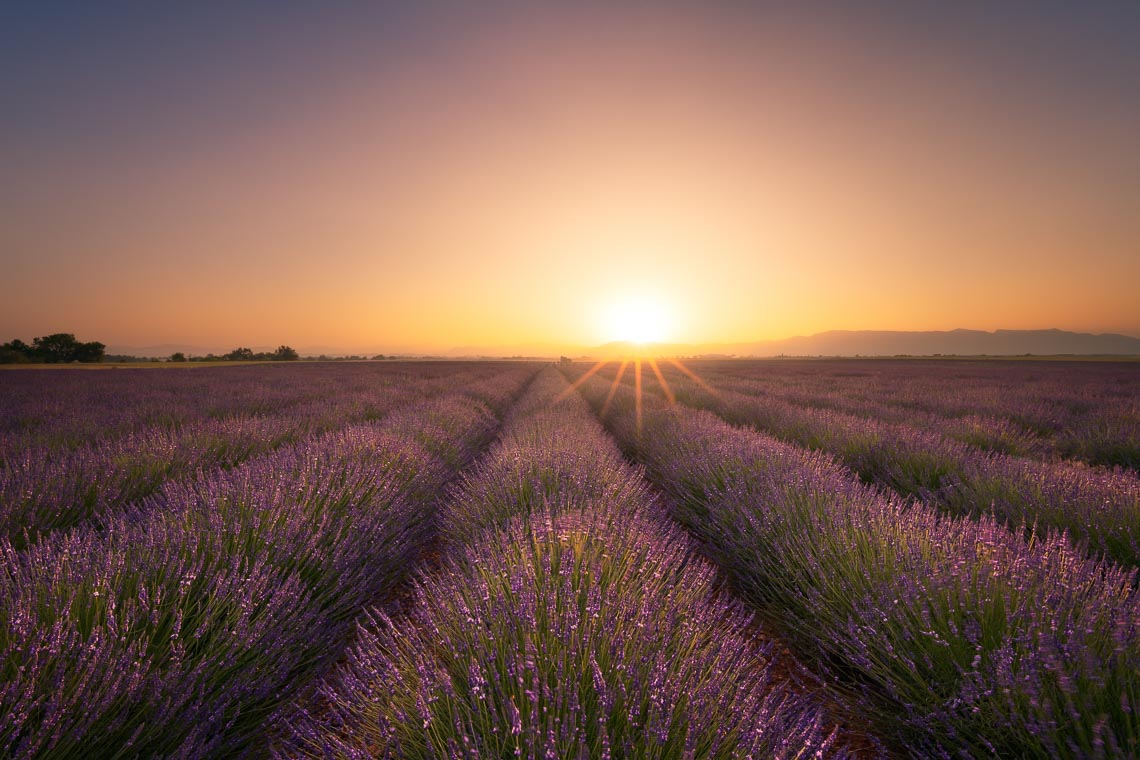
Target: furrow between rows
column 178, row 631
column 568, row 619
column 1098, row 508
column 959, row 635
column 1038, row 410
column 42, row 491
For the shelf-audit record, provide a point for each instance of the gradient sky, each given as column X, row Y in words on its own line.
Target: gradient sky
column 498, row 174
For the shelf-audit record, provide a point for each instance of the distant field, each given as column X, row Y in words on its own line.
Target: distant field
column 164, row 364
column 638, row 559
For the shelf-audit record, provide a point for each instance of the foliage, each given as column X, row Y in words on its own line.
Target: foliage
column 242, row 354
column 177, row 627
column 963, row 637
column 568, row 623
column 221, row 562
column 58, row 348
column 1098, row 507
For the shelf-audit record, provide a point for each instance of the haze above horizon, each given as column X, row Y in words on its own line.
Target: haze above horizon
column 499, row 174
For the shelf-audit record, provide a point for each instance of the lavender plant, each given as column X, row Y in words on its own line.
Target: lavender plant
column 574, row 624
column 551, row 448
column 573, row 638
column 42, row 490
column 45, row 410
column 1079, row 410
column 178, row 629
column 962, row 637
column 1099, row 508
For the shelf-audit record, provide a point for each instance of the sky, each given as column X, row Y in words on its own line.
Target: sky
column 424, row 176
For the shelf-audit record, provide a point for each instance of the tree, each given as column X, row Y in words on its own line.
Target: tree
column 59, row 348
column 240, row 354
column 89, row 352
column 55, row 348
column 16, row 352
column 285, row 354
column 178, row 356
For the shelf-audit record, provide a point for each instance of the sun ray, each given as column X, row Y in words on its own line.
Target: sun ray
column 637, row 392
column 588, row 374
column 614, row 386
column 661, row 380
column 693, row 376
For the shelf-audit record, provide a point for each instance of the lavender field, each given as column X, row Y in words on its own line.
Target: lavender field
column 507, row 559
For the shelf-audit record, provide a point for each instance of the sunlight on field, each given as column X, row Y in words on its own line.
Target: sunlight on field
column 535, row 380
column 640, row 358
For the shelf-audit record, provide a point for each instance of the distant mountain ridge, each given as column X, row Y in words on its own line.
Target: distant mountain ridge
column 959, row 342
column 903, row 343
column 831, row 343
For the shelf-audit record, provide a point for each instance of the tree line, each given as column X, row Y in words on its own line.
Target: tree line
column 59, row 348
column 64, row 348
column 282, row 354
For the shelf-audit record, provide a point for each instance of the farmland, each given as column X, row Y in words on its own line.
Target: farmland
column 638, row 559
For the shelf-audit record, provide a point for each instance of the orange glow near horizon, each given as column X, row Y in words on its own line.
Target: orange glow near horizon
column 549, row 180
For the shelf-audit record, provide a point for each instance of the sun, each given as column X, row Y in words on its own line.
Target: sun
column 639, row 320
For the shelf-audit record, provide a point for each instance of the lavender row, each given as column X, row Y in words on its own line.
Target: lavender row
column 45, row 490
column 61, row 407
column 551, row 448
column 1044, row 397
column 983, row 427
column 573, row 624
column 1088, row 410
column 53, row 408
column 964, row 639
column 182, row 626
column 1095, row 506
